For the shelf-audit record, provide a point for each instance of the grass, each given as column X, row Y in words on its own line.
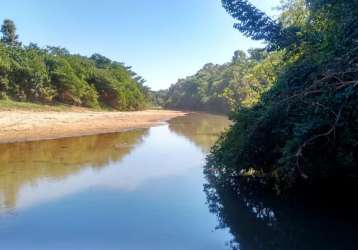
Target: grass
column 7, row 104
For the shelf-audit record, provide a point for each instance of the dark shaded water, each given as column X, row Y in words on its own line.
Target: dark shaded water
column 143, row 190
column 260, row 222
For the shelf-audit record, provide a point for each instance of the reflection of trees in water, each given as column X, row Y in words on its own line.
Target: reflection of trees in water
column 201, row 128
column 259, row 222
column 26, row 163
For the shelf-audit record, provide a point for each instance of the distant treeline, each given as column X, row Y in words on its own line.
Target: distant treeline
column 218, row 88
column 52, row 75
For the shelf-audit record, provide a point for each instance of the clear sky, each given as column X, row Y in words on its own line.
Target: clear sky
column 162, row 39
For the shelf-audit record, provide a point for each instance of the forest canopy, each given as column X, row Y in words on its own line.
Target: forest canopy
column 52, row 75
column 303, row 128
column 218, row 88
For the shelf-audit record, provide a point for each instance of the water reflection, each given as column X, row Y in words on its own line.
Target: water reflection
column 25, row 164
column 260, row 222
column 200, row 128
column 137, row 190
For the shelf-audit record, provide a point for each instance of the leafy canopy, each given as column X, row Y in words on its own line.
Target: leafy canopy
column 54, row 75
column 304, row 128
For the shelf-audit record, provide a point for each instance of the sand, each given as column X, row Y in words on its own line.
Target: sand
column 20, row 126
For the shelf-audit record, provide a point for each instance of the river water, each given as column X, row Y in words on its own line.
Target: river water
column 145, row 190
column 141, row 189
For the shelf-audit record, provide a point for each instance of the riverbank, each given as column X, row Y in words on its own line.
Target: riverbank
column 24, row 125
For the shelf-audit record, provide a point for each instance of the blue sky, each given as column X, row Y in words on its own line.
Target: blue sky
column 163, row 39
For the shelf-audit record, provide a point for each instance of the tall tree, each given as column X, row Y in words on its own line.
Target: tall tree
column 251, row 21
column 101, row 61
column 239, row 55
column 8, row 29
column 255, row 24
column 310, row 107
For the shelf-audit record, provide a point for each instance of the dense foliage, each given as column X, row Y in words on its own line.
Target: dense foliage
column 53, row 75
column 256, row 24
column 217, row 88
column 304, row 129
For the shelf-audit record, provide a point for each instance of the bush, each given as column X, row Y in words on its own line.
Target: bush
column 305, row 127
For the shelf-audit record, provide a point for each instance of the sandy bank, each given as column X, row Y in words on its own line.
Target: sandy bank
column 16, row 126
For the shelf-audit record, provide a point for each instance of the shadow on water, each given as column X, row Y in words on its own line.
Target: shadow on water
column 312, row 221
column 27, row 163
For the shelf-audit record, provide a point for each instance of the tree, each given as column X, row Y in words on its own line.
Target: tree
column 257, row 54
column 33, row 46
column 214, row 88
column 8, row 29
column 255, row 24
column 252, row 22
column 239, row 55
column 57, row 51
column 101, row 61
column 54, row 75
column 308, row 103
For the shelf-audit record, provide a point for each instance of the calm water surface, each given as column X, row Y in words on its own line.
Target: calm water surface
column 141, row 189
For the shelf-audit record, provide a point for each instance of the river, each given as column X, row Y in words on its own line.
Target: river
column 145, row 190
column 141, row 189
